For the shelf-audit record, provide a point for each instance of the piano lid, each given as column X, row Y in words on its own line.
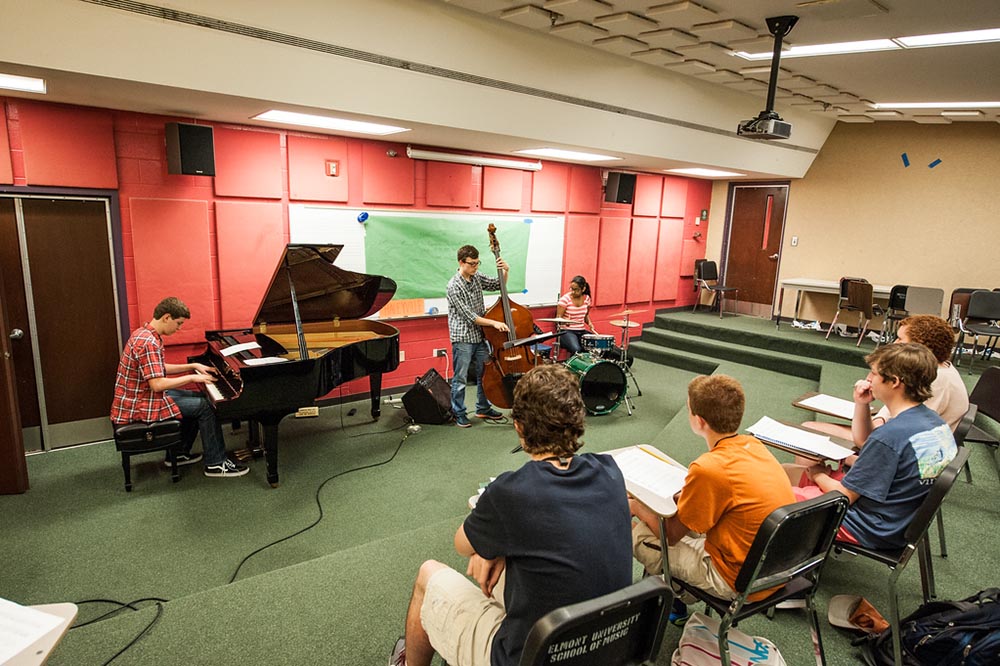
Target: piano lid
column 323, row 290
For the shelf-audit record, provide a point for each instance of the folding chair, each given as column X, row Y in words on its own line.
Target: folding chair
column 916, row 542
column 581, row 634
column 984, row 313
column 789, row 550
column 986, row 396
column 706, row 276
column 847, row 284
column 895, row 313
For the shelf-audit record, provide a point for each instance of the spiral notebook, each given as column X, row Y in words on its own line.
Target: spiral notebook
column 797, row 441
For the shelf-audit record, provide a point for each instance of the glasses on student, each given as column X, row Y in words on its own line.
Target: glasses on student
column 472, row 263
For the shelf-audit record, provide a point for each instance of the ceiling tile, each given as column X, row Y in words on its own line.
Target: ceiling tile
column 721, row 76
column 932, row 120
column 724, row 31
column 763, row 73
column 691, row 67
column 748, row 85
column 578, row 31
column 529, row 16
column 818, row 90
column 626, row 23
column 682, row 14
column 758, row 44
column 621, row 44
column 855, row 119
column 579, row 10
column 484, row 6
column 717, row 54
column 668, row 38
column 658, row 56
column 798, row 82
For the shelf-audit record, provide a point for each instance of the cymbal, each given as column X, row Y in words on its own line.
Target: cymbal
column 625, row 313
column 557, row 320
column 621, row 323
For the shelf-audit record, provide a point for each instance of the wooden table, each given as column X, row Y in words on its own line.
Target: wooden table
column 801, row 284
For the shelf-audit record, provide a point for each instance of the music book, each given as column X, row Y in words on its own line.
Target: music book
column 797, row 441
column 651, row 476
column 828, row 404
column 20, row 626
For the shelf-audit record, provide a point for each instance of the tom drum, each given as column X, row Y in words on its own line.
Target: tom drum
column 598, row 345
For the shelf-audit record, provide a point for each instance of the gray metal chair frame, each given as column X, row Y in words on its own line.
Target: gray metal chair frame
column 706, row 272
column 895, row 312
column 961, row 432
column 986, row 396
column 916, row 542
column 911, row 301
column 789, row 550
column 575, row 625
column 958, row 310
column 984, row 312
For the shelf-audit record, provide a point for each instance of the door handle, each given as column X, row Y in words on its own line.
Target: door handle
column 774, row 257
column 16, row 334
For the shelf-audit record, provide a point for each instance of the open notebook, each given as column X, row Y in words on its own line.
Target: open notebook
column 651, row 477
column 798, row 441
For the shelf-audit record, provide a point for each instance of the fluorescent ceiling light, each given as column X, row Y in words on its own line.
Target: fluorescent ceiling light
column 22, row 83
column 938, row 105
column 326, row 122
column 566, row 154
column 705, row 173
column 951, row 38
column 838, row 48
column 475, row 160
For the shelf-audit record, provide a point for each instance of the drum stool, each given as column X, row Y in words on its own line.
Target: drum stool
column 135, row 438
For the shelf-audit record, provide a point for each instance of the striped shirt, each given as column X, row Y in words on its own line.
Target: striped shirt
column 141, row 361
column 578, row 313
column 465, row 303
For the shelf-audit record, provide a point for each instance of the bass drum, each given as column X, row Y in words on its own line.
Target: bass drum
column 602, row 383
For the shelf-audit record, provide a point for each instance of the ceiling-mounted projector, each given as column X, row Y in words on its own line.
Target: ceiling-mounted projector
column 768, row 124
column 765, row 128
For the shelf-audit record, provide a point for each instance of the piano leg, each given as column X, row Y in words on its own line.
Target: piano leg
column 271, row 451
column 375, row 382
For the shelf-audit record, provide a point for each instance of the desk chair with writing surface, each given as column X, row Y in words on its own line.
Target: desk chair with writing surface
column 789, row 550
column 623, row 628
column 916, row 542
column 706, row 278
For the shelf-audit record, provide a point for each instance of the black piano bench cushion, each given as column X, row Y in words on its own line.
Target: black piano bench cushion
column 145, row 437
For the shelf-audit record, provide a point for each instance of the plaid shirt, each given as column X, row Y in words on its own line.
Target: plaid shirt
column 141, row 361
column 465, row 303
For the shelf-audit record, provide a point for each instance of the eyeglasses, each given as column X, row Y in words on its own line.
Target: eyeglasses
column 472, row 263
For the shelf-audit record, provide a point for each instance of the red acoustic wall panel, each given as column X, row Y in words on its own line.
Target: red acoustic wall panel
column 308, row 174
column 647, row 195
column 6, row 171
column 584, row 189
column 387, row 179
column 641, row 259
column 449, row 184
column 503, row 188
column 549, row 188
column 580, row 249
column 67, row 146
column 172, row 253
column 248, row 234
column 612, row 262
column 691, row 250
column 668, row 259
column 675, row 194
column 699, row 198
column 247, row 163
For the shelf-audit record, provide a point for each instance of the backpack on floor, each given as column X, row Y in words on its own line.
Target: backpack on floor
column 944, row 633
column 699, row 646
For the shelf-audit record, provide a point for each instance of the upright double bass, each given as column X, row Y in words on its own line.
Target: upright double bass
column 507, row 363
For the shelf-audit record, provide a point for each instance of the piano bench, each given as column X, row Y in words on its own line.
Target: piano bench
column 135, row 438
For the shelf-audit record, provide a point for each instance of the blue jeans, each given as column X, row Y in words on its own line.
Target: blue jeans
column 572, row 341
column 196, row 411
column 466, row 354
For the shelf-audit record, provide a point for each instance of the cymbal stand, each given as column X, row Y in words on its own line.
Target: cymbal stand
column 623, row 361
column 554, row 358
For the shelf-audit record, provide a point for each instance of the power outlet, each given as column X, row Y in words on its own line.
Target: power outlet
column 440, row 352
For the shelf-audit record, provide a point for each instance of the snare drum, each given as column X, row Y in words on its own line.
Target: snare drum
column 602, row 383
column 598, row 345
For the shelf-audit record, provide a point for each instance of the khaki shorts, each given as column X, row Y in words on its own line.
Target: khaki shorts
column 689, row 561
column 459, row 619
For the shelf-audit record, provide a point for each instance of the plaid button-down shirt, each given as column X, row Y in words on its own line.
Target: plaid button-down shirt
column 141, row 361
column 465, row 303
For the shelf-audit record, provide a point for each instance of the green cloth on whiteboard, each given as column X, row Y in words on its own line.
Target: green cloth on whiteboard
column 420, row 253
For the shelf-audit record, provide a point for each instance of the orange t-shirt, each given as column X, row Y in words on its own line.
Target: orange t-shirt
column 728, row 493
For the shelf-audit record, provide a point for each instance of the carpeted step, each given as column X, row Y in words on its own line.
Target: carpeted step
column 657, row 353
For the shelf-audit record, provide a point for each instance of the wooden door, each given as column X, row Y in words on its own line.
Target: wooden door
column 13, row 470
column 756, row 225
column 66, row 368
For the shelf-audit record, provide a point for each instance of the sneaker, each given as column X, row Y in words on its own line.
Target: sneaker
column 398, row 655
column 678, row 614
column 226, row 469
column 790, row 604
column 490, row 414
column 462, row 421
column 184, row 459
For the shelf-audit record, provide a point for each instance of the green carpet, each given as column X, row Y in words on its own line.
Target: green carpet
column 337, row 593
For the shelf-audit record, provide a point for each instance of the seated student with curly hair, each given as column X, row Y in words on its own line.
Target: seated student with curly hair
column 551, row 533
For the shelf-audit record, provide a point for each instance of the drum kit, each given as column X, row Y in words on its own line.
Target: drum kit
column 603, row 366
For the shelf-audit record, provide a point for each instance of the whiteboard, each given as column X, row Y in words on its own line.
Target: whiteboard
column 418, row 250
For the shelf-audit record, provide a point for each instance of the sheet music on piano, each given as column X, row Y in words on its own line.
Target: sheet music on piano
column 265, row 360
column 796, row 440
column 236, row 349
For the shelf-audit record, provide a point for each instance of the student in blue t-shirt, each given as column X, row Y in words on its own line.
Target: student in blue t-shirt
column 900, row 460
column 551, row 533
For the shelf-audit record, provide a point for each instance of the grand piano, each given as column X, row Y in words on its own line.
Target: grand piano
column 309, row 336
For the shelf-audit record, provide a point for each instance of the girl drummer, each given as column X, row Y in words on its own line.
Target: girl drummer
column 575, row 305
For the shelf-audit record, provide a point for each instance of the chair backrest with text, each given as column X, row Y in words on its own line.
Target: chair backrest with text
column 623, row 628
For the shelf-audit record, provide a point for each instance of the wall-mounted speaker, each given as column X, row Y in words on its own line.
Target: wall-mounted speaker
column 190, row 149
column 620, row 188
